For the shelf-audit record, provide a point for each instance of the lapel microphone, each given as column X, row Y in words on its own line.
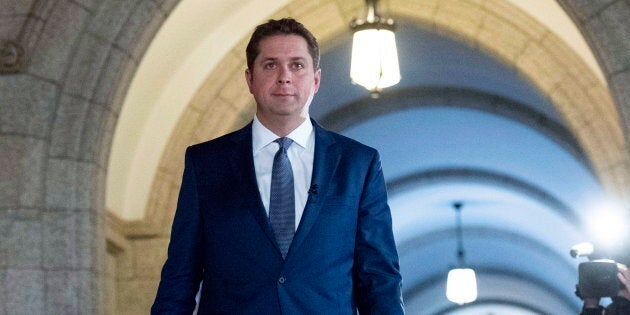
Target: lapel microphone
column 313, row 190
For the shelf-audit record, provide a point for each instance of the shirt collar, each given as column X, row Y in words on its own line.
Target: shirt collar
column 261, row 136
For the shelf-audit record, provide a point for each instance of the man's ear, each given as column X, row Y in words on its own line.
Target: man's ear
column 317, row 79
column 249, row 77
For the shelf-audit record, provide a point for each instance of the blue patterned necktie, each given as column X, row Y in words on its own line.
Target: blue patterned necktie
column 282, row 197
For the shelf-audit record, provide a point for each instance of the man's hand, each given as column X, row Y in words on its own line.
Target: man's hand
column 591, row 303
column 624, row 277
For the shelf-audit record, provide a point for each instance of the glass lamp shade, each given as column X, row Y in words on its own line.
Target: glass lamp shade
column 461, row 286
column 374, row 62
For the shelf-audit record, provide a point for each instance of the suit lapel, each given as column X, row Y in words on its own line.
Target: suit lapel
column 243, row 167
column 324, row 165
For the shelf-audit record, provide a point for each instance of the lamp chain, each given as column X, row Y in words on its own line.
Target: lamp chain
column 459, row 234
column 371, row 10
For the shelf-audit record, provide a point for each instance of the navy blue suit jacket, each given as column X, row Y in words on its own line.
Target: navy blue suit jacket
column 342, row 259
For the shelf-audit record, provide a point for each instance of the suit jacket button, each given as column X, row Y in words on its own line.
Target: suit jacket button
column 281, row 280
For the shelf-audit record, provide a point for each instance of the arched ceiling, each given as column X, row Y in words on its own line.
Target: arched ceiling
column 463, row 126
column 181, row 56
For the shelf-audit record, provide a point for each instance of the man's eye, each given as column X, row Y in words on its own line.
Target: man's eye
column 269, row 65
column 298, row 66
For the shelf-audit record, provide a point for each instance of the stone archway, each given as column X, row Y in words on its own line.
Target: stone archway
column 221, row 105
column 58, row 116
column 530, row 48
column 605, row 26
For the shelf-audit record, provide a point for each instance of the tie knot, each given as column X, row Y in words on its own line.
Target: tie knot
column 284, row 143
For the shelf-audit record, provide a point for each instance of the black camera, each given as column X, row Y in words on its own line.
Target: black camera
column 598, row 278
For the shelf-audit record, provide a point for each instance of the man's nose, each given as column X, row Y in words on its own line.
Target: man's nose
column 284, row 76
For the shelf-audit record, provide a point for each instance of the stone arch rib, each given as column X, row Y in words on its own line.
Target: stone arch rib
column 493, row 178
column 419, row 97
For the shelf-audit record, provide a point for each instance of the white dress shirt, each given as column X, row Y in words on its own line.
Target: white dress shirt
column 301, row 153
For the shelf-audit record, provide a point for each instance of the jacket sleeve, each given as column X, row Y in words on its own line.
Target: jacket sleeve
column 376, row 272
column 183, row 269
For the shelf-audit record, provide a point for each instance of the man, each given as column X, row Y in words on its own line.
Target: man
column 282, row 216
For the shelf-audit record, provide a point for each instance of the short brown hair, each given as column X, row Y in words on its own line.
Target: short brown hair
column 286, row 26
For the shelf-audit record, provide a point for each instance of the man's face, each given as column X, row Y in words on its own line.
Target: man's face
column 283, row 79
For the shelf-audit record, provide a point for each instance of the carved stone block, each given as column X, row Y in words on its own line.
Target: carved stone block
column 11, row 57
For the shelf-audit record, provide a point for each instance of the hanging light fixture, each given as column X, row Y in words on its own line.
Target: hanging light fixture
column 374, row 62
column 461, row 284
